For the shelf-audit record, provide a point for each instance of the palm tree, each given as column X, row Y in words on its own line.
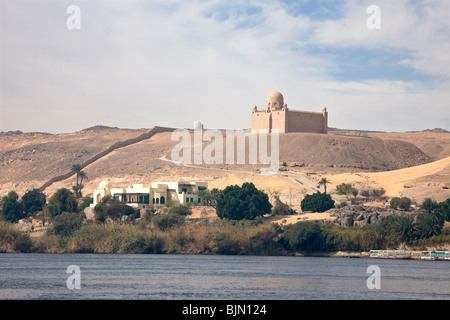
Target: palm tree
column 324, row 182
column 76, row 169
column 428, row 225
column 429, row 205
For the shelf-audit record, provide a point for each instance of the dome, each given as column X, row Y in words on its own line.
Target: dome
column 105, row 185
column 275, row 100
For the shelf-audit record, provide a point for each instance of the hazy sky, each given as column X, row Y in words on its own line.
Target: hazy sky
column 137, row 64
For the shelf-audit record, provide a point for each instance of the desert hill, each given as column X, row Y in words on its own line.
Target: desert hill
column 30, row 160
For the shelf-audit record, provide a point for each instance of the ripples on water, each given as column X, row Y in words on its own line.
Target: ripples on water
column 197, row 277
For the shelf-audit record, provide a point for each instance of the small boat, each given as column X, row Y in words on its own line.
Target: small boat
column 436, row 255
column 390, row 254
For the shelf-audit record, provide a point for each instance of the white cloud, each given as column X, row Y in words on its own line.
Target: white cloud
column 139, row 64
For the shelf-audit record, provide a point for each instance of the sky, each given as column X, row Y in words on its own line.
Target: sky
column 138, row 64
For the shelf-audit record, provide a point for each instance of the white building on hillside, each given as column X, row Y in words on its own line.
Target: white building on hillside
column 154, row 194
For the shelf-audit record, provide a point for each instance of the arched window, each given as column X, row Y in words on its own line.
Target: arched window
column 153, row 200
column 163, row 200
column 157, row 200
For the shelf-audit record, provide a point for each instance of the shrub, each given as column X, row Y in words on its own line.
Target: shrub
column 343, row 188
column 244, row 202
column 280, row 208
column 183, row 210
column 318, row 202
column 66, row 223
column 167, row 221
column 223, row 244
column 23, row 243
column 13, row 240
column 113, row 238
column 403, row 203
column 111, row 208
column 86, row 202
column 304, row 236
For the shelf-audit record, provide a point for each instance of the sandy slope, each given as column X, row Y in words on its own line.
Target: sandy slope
column 29, row 160
column 418, row 182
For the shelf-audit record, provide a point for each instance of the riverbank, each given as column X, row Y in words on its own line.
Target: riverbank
column 221, row 237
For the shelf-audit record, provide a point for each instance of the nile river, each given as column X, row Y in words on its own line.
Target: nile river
column 211, row 277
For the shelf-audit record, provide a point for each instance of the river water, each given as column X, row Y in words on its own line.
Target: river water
column 211, row 277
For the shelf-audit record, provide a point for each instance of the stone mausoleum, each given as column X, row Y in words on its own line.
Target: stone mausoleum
column 277, row 116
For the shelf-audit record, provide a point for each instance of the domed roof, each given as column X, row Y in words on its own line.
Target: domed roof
column 275, row 95
column 275, row 100
column 105, row 185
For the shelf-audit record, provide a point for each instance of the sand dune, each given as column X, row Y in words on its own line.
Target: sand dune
column 418, row 182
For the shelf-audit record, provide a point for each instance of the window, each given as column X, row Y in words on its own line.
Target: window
column 199, row 200
column 163, row 200
column 157, row 200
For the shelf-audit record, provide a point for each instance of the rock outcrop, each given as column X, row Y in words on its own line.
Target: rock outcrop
column 357, row 215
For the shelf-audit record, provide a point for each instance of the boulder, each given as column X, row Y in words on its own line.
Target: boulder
column 347, row 221
column 89, row 213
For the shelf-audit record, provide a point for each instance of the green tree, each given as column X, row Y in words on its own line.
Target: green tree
column 343, row 188
column 81, row 175
column 399, row 228
column 209, row 197
column 63, row 200
column 111, row 208
column 427, row 225
column 444, row 209
column 429, row 205
column 86, row 202
column 323, row 182
column 12, row 210
column 246, row 202
column 33, row 201
column 304, row 236
column 66, row 223
column 317, row 202
column 354, row 192
column 403, row 203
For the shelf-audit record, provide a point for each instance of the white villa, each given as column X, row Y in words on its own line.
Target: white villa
column 154, row 194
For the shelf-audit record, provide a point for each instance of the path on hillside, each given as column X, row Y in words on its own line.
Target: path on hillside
column 115, row 146
column 303, row 181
